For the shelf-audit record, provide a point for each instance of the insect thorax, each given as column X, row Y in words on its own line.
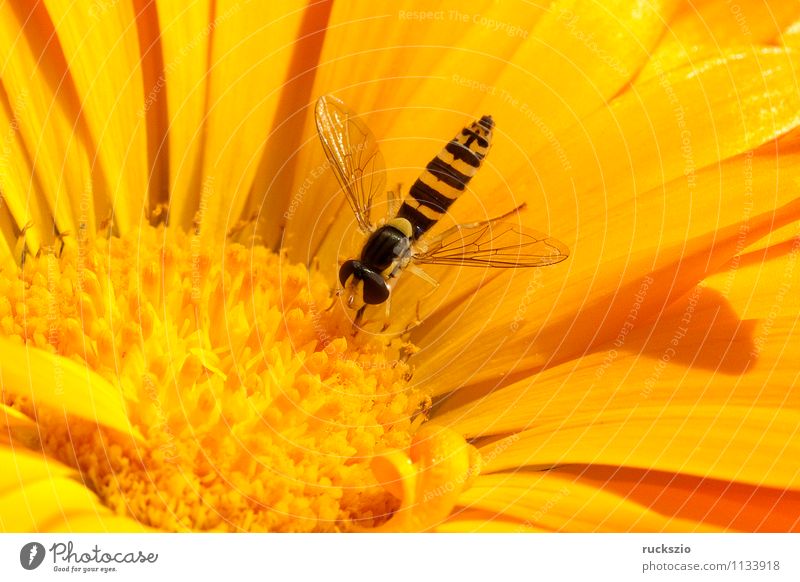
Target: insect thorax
column 390, row 244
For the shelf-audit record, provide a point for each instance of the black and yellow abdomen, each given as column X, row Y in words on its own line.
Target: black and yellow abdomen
column 446, row 177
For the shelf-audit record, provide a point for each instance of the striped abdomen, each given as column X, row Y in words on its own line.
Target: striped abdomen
column 446, row 176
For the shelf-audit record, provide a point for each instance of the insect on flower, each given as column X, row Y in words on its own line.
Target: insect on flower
column 399, row 242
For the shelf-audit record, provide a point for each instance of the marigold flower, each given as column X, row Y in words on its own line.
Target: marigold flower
column 174, row 357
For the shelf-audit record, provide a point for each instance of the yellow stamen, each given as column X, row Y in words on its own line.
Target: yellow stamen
column 259, row 408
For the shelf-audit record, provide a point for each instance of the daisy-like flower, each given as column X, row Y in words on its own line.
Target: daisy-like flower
column 174, row 356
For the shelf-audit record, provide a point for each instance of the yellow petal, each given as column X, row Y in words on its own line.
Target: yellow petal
column 704, row 349
column 721, row 194
column 482, row 526
column 481, row 521
column 152, row 113
column 579, row 57
column 10, row 239
column 35, row 506
column 102, row 521
column 720, row 503
column 762, row 289
column 100, row 45
column 700, row 373
column 47, row 177
column 40, row 494
column 23, row 467
column 714, row 363
column 547, row 500
column 703, row 30
column 252, row 47
column 589, row 309
column 10, row 418
column 366, row 44
column 181, row 90
column 575, row 56
column 62, row 385
column 665, row 129
column 756, row 445
column 589, row 268
column 21, row 191
column 791, row 36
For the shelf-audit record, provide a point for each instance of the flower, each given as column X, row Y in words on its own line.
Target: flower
column 172, row 356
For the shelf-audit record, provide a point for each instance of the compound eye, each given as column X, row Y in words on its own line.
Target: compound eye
column 347, row 269
column 376, row 290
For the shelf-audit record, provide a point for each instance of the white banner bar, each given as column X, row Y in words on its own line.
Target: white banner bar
column 406, row 558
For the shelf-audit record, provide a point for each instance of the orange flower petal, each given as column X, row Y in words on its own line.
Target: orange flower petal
column 733, row 358
column 38, row 494
column 239, row 118
column 759, row 289
column 22, row 467
column 482, row 521
column 714, row 360
column 594, row 306
column 10, row 418
column 46, row 172
column 89, row 522
column 180, row 89
column 101, row 48
column 666, row 128
column 579, row 57
column 750, row 444
column 43, row 377
column 791, row 35
column 703, row 30
column 728, row 505
column 556, row 502
column 28, row 211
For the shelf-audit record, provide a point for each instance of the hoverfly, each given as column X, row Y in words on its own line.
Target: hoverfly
column 400, row 242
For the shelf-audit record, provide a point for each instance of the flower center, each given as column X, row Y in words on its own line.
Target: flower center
column 259, row 407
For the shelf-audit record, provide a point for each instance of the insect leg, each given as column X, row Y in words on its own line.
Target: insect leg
column 388, row 305
column 415, row 270
column 334, row 298
column 357, row 319
column 417, row 318
column 386, row 322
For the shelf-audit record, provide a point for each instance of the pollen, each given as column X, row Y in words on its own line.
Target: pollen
column 258, row 407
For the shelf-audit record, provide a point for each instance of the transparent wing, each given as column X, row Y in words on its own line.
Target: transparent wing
column 493, row 244
column 353, row 154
